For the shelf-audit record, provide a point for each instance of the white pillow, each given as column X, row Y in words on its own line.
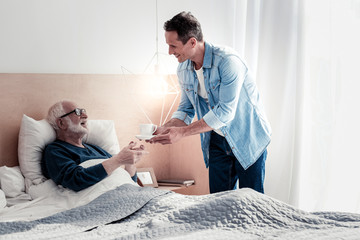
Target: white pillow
column 12, row 181
column 35, row 135
column 102, row 133
column 42, row 189
column 2, row 199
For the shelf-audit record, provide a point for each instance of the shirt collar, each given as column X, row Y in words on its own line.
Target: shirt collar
column 208, row 56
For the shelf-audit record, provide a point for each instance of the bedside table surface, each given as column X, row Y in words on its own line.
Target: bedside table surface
column 171, row 188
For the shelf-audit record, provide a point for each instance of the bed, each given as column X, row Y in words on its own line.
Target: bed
column 33, row 207
column 132, row 212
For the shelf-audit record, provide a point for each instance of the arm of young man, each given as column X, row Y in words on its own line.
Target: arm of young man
column 174, row 133
column 232, row 73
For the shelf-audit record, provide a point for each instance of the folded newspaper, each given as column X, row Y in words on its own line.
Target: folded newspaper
column 176, row 182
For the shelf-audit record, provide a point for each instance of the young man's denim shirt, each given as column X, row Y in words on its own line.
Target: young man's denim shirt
column 234, row 102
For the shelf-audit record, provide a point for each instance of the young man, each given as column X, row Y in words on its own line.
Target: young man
column 217, row 86
column 61, row 158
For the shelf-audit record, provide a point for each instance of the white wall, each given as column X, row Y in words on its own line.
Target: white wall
column 97, row 36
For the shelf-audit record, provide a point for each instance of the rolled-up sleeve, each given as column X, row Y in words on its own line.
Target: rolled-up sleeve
column 183, row 116
column 211, row 119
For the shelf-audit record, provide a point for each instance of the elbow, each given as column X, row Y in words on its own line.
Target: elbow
column 225, row 115
column 74, row 188
column 77, row 188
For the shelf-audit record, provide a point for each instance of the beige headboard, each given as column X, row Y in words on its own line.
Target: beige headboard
column 113, row 97
column 116, row 97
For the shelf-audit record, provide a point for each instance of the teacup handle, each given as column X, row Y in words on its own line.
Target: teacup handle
column 155, row 128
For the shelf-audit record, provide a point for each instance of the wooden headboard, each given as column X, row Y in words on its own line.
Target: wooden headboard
column 114, row 97
column 104, row 96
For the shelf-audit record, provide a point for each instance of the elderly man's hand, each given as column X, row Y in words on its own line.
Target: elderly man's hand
column 128, row 156
column 131, row 154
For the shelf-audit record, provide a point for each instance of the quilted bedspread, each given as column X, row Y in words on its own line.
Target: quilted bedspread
column 130, row 212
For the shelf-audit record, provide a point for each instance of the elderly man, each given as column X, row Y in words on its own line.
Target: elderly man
column 61, row 159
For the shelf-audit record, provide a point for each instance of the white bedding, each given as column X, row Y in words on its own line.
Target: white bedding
column 2, row 199
column 50, row 199
column 21, row 184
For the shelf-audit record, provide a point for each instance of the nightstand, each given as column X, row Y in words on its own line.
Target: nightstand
column 171, row 188
column 177, row 189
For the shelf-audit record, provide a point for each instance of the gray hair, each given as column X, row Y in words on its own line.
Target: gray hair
column 55, row 111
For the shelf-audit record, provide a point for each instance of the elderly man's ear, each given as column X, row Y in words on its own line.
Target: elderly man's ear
column 61, row 123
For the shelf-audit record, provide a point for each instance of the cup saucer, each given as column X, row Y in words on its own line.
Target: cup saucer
column 143, row 137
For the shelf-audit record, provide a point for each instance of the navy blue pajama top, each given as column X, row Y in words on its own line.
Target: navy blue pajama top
column 61, row 162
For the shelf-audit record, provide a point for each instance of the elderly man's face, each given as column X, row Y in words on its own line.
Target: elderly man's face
column 76, row 124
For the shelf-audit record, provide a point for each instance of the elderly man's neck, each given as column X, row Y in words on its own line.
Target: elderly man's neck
column 73, row 140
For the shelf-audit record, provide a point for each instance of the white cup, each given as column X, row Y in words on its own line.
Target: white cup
column 147, row 129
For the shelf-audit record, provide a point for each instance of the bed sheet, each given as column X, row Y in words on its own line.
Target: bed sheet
column 130, row 212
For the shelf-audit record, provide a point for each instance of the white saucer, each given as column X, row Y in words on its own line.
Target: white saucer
column 142, row 137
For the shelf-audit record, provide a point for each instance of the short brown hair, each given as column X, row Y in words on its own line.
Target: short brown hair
column 186, row 26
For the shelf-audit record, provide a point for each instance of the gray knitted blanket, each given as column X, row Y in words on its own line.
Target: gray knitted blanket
column 130, row 212
column 110, row 206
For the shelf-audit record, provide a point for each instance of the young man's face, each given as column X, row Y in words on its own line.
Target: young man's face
column 177, row 48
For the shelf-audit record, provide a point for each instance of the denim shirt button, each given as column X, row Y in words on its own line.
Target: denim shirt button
column 212, row 107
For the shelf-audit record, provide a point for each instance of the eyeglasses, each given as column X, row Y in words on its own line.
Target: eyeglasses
column 77, row 111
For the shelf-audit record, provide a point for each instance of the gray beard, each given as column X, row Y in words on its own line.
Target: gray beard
column 77, row 128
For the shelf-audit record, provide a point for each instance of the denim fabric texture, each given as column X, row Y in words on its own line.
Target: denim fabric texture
column 225, row 170
column 233, row 104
